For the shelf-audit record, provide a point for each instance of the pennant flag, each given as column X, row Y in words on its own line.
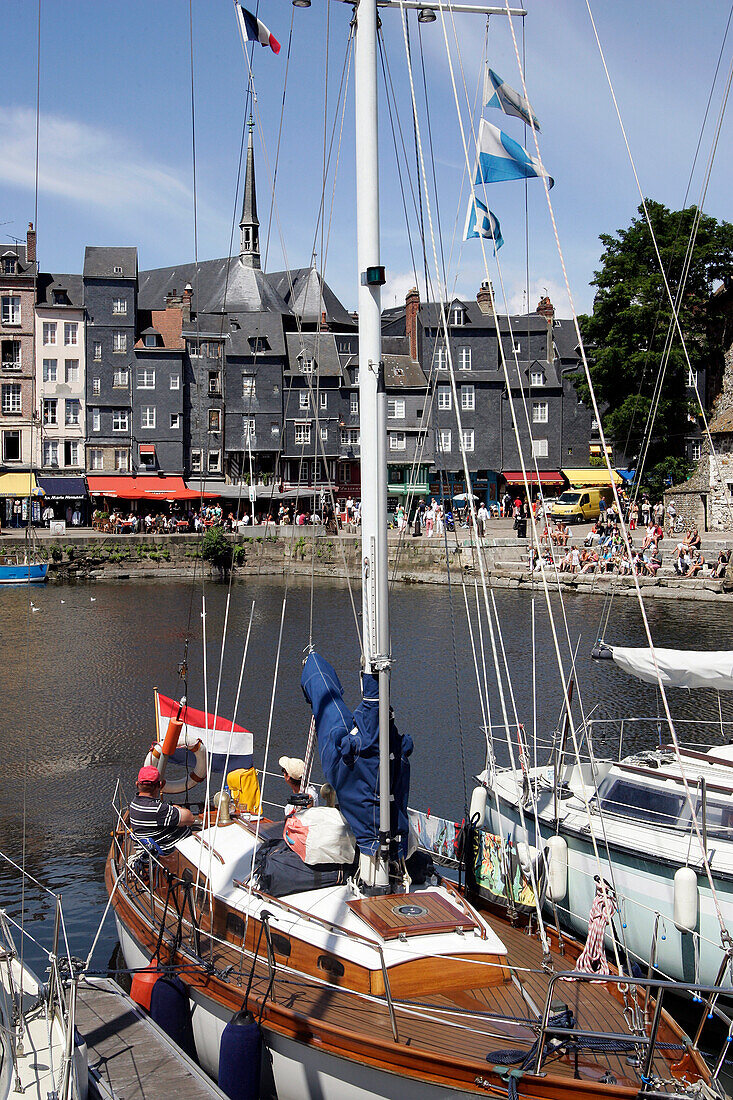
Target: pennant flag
column 497, row 93
column 224, row 737
column 486, row 224
column 501, row 158
column 254, row 30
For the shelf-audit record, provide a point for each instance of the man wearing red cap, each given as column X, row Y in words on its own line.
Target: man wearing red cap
column 154, row 823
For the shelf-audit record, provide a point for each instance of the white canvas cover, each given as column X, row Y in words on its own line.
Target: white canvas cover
column 320, row 835
column 684, row 668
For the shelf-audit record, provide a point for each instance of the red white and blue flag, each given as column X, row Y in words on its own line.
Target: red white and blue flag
column 226, row 743
column 254, row 30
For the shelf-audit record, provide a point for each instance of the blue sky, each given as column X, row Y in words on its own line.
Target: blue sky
column 115, row 132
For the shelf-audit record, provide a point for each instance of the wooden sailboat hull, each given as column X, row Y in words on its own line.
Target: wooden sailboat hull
column 329, row 1043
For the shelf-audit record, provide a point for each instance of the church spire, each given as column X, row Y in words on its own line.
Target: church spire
column 249, row 226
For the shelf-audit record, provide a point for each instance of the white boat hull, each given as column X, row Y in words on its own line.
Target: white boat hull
column 644, row 887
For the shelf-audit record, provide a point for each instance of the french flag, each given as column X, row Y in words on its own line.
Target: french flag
column 254, row 30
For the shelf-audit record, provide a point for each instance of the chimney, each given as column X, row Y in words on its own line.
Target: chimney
column 324, row 321
column 484, row 296
column 30, row 244
column 546, row 309
column 412, row 308
column 186, row 299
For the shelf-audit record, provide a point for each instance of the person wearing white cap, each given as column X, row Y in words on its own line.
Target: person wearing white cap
column 293, row 770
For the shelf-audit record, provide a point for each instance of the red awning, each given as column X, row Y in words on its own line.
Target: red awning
column 147, row 448
column 547, row 477
column 142, row 488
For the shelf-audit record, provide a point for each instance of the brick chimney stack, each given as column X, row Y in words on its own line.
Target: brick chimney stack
column 324, row 321
column 30, row 244
column 412, row 308
column 546, row 309
column 484, row 297
column 187, row 298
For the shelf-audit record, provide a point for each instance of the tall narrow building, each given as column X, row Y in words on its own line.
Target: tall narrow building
column 249, row 226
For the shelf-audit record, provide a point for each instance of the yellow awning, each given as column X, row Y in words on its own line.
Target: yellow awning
column 594, row 475
column 17, row 485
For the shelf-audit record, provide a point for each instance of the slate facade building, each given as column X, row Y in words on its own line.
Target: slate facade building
column 18, row 269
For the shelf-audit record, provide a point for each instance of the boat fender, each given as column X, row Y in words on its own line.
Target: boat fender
column 479, row 803
column 524, row 855
column 170, row 1009
column 557, row 859
column 178, row 786
column 240, row 1055
column 686, row 899
column 143, row 982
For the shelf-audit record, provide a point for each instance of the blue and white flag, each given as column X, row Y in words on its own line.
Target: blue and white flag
column 497, row 93
column 483, row 224
column 501, row 158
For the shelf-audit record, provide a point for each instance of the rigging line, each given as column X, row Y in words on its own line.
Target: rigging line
column 515, row 427
column 668, row 291
column 279, row 136
column 625, row 534
column 24, row 834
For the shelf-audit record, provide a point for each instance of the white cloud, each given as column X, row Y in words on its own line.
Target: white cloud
column 86, row 165
column 517, row 297
column 397, row 287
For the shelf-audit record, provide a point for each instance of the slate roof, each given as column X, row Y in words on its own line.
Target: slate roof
column 566, row 339
column 218, row 285
column 309, row 295
column 20, row 251
column 100, row 263
column 403, row 373
column 72, row 284
column 320, row 346
column 430, row 316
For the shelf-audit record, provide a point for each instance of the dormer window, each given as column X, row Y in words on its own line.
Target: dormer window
column 60, row 298
column 10, row 264
column 117, row 270
column 458, row 315
column 537, row 378
column 150, row 341
column 259, row 343
column 307, row 364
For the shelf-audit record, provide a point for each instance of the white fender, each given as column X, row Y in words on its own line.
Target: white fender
column 178, row 786
column 686, row 899
column 557, row 860
column 479, row 801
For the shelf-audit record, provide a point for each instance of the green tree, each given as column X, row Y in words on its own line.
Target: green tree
column 626, row 333
column 217, row 549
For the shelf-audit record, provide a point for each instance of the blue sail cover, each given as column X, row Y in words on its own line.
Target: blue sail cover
column 348, row 744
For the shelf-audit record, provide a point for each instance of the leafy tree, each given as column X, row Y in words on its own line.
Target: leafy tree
column 626, row 333
column 217, row 549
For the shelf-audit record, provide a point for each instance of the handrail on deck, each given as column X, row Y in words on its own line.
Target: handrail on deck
column 649, row 1041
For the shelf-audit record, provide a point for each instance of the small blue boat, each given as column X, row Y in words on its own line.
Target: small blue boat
column 23, row 573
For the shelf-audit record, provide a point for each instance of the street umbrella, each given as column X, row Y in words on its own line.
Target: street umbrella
column 38, row 492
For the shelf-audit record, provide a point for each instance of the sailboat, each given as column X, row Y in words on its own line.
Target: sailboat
column 313, row 962
column 39, row 1054
column 676, row 885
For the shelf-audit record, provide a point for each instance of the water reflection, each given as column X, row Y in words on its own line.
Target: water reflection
column 78, row 675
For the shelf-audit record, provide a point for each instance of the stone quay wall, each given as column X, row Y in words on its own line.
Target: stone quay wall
column 85, row 558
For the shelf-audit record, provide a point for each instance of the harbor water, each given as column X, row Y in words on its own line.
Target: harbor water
column 80, row 665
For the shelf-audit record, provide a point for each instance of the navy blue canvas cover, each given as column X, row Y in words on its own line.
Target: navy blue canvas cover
column 348, row 744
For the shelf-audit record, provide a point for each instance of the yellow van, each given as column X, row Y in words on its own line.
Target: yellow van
column 579, row 505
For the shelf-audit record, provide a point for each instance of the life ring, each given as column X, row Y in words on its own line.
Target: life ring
column 178, row 786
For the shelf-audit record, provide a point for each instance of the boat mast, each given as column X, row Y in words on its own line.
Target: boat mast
column 372, row 406
column 372, row 395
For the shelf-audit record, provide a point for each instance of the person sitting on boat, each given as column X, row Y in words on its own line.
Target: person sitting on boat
column 293, row 770
column 157, row 825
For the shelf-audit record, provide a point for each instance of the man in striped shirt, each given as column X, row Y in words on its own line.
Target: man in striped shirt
column 156, row 824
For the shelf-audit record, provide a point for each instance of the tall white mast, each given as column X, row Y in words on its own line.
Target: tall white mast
column 372, row 403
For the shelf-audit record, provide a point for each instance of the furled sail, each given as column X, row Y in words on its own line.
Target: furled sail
column 683, row 668
column 348, row 744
